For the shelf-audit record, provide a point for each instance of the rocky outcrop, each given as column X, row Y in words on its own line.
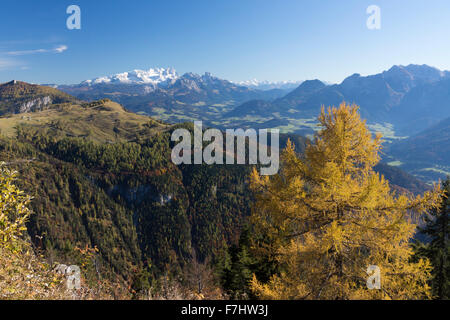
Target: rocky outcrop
column 35, row 104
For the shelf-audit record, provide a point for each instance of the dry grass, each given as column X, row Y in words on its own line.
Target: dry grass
column 103, row 121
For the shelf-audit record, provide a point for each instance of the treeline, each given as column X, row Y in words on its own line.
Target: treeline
column 110, row 157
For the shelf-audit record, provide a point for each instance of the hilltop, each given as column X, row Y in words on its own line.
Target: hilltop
column 20, row 97
column 101, row 121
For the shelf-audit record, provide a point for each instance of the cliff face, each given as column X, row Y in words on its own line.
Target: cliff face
column 35, row 104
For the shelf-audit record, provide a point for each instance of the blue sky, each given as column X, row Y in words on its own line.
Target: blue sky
column 233, row 39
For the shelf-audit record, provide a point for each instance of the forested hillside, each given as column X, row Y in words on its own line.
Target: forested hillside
column 102, row 177
column 106, row 196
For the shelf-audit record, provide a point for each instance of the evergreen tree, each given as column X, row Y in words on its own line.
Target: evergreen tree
column 437, row 250
column 329, row 216
column 237, row 278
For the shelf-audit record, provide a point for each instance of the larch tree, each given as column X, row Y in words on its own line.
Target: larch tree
column 327, row 216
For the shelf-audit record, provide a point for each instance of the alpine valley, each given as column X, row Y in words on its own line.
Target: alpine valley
column 401, row 103
column 114, row 188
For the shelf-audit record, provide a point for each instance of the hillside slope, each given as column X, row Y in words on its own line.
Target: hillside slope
column 101, row 177
column 425, row 154
column 101, row 121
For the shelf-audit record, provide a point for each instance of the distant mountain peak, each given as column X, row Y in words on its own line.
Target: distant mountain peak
column 152, row 76
column 417, row 72
column 312, row 84
column 268, row 85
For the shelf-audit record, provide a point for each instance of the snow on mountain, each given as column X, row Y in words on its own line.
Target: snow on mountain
column 162, row 77
column 153, row 76
column 268, row 85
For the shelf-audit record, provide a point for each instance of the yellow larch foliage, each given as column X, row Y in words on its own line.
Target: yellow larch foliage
column 23, row 274
column 326, row 216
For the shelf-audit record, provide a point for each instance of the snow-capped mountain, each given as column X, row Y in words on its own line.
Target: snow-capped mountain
column 164, row 94
column 269, row 85
column 156, row 76
column 166, row 82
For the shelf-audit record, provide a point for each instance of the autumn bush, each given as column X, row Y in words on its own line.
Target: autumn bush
column 23, row 274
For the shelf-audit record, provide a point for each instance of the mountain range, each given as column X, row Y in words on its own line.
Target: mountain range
column 268, row 85
column 419, row 92
column 154, row 77
column 164, row 94
column 402, row 103
column 408, row 98
column 111, row 123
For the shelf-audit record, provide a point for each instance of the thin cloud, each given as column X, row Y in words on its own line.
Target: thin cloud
column 58, row 49
column 22, row 42
column 61, row 49
column 6, row 63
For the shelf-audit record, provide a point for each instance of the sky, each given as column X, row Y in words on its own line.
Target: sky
column 234, row 39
